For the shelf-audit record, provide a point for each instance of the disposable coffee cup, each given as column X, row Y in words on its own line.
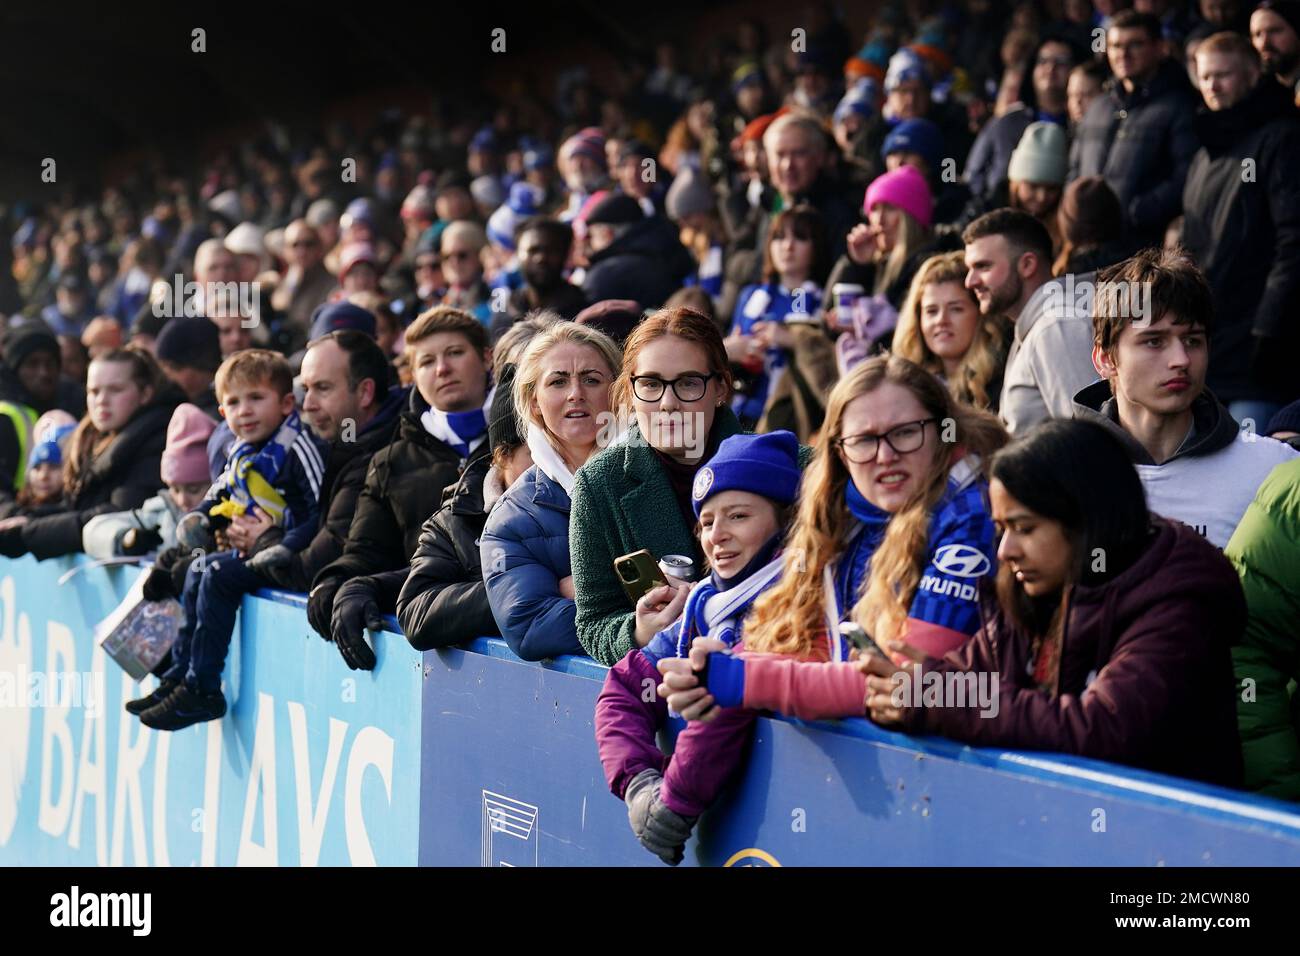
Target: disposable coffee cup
column 846, row 295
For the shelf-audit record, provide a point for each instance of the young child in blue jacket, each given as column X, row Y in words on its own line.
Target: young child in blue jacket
column 274, row 472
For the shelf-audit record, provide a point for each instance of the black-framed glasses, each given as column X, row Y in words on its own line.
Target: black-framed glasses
column 687, row 388
column 904, row 438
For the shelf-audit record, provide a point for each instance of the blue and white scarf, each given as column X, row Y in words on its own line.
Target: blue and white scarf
column 713, row 612
column 463, row 431
column 251, row 473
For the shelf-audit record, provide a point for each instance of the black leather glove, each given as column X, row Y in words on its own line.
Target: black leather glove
column 12, row 544
column 136, row 541
column 320, row 607
column 355, row 610
column 161, row 582
column 158, row 585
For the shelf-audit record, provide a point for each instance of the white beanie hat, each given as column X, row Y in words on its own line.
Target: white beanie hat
column 1041, row 156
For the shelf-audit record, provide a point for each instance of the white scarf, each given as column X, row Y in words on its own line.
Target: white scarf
column 548, row 460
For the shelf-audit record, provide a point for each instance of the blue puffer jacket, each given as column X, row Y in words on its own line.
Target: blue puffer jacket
column 525, row 552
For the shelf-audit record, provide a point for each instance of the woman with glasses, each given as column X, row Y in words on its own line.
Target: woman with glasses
column 1113, row 629
column 893, row 534
column 561, row 401
column 675, row 386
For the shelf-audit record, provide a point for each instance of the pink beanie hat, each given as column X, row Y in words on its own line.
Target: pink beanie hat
column 905, row 188
column 185, row 458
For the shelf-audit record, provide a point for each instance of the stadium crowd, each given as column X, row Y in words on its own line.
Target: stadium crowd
column 775, row 381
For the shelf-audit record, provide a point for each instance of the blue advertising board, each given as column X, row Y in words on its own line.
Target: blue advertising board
column 313, row 763
column 471, row 757
column 512, row 778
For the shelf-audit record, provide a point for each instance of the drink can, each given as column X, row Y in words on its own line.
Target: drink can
column 677, row 566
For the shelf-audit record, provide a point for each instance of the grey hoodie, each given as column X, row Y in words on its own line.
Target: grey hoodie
column 1210, row 479
column 1051, row 355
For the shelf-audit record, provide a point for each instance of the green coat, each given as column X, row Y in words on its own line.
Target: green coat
column 1265, row 550
column 622, row 502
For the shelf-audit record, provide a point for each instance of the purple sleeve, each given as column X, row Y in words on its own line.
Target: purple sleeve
column 626, row 722
column 704, row 760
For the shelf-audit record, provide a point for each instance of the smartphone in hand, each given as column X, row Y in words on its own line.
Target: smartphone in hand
column 860, row 639
column 639, row 574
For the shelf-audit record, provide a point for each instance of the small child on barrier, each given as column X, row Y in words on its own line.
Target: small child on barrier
column 274, row 470
column 152, row 526
column 741, row 498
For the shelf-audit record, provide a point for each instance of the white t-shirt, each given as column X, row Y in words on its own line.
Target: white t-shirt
column 1211, row 492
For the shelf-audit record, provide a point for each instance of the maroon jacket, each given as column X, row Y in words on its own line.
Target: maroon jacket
column 1145, row 674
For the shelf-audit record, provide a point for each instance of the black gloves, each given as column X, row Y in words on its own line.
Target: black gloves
column 320, row 607
column 11, row 543
column 355, row 609
column 161, row 582
column 135, row 541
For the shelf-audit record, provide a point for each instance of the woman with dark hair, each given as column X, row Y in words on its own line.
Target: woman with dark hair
column 1090, row 224
column 1110, row 636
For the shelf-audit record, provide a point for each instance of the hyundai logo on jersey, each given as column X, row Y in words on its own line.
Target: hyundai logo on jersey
column 962, row 561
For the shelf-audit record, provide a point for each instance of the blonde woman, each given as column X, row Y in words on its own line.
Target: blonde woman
column 562, row 398
column 941, row 329
column 893, row 533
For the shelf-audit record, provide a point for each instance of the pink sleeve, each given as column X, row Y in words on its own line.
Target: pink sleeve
column 935, row 639
column 805, row 689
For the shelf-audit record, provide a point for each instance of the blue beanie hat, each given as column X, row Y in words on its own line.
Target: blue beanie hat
column 49, row 450
column 522, row 204
column 333, row 316
column 906, row 64
column 46, row 453
column 860, row 98
column 916, row 136
column 766, row 465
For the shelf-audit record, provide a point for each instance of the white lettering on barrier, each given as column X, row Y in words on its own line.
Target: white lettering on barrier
column 159, row 826
column 91, row 776
column 15, row 728
column 261, row 776
column 126, row 792
column 311, row 822
column 75, row 771
column 211, row 795
column 372, row 748
column 60, row 654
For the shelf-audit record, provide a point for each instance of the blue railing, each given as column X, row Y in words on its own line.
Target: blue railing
column 471, row 756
